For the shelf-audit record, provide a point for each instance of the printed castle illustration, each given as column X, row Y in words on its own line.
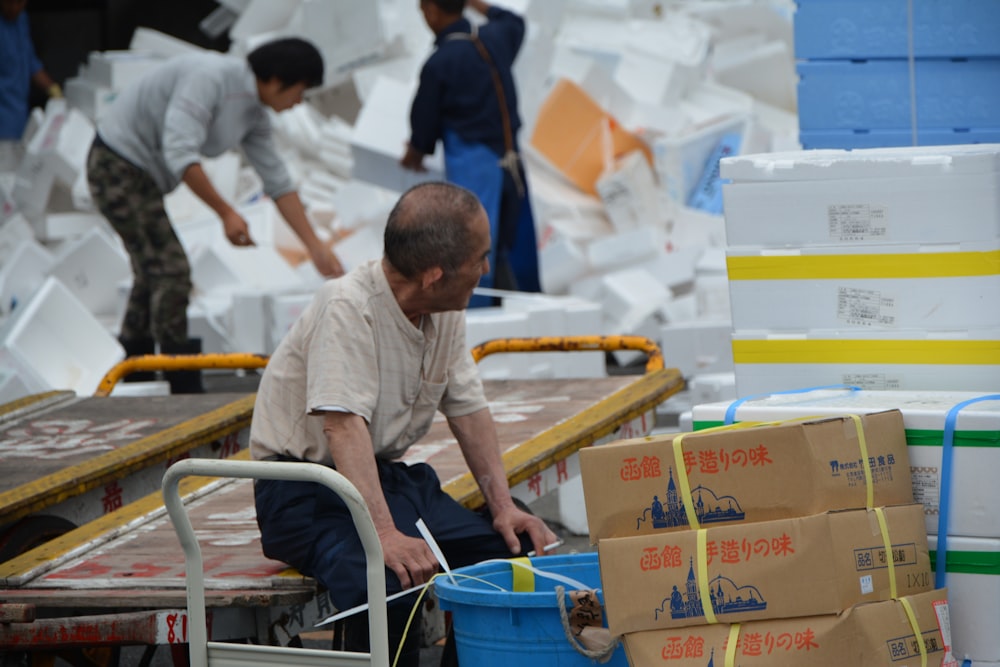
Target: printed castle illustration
column 688, row 604
column 672, row 513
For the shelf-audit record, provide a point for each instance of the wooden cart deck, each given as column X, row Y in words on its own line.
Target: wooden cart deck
column 80, row 458
column 130, row 561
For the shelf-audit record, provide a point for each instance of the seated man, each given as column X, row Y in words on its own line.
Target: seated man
column 354, row 383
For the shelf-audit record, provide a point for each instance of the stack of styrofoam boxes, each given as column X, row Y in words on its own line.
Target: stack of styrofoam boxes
column 722, row 539
column 878, row 268
column 971, row 550
column 876, row 73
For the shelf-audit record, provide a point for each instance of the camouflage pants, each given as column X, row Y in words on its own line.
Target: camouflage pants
column 161, row 285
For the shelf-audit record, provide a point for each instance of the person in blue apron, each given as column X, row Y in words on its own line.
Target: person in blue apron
column 467, row 100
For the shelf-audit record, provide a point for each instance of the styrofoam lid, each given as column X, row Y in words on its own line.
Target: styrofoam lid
column 837, row 164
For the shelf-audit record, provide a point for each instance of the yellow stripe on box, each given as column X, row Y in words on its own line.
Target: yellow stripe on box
column 908, row 265
column 825, row 351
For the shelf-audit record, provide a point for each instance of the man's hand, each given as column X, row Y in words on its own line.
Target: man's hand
column 325, row 261
column 512, row 522
column 409, row 557
column 413, row 159
column 236, row 228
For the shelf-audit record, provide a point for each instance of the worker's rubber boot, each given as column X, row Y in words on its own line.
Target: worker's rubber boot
column 184, row 382
column 355, row 632
column 138, row 348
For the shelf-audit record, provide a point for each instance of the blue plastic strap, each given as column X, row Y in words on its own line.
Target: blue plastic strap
column 731, row 410
column 944, row 501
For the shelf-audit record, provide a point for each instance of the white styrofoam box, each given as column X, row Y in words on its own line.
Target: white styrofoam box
column 362, row 245
column 247, row 322
column 630, row 296
column 692, row 228
column 560, row 262
column 12, row 387
column 22, row 274
column 225, row 267
column 281, row 311
column 11, row 152
column 698, row 346
column 91, row 266
column 625, row 248
column 712, row 387
column 35, row 175
column 13, row 231
column 208, row 315
column 711, row 292
column 261, row 16
column 560, row 316
column 630, row 194
column 358, row 203
column 483, row 324
column 910, row 360
column 681, row 308
column 879, row 195
column 196, row 234
column 61, row 226
column 380, row 136
column 57, row 337
column 675, row 268
column 679, row 161
column 648, row 327
column 182, row 204
column 975, row 455
column 301, row 126
column 883, row 287
column 118, row 69
column 348, row 34
column 90, row 98
column 69, row 152
column 764, row 69
column 152, row 388
column 972, row 576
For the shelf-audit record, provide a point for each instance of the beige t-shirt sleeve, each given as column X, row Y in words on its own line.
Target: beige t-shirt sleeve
column 464, row 394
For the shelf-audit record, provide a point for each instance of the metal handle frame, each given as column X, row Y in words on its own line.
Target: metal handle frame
column 177, row 362
column 654, row 361
column 309, row 472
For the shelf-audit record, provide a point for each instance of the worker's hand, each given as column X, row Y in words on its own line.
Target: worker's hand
column 513, row 521
column 409, row 557
column 236, row 229
column 326, row 261
column 413, row 159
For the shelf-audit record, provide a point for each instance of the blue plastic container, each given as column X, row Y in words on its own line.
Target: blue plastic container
column 880, row 29
column 875, row 94
column 902, row 137
column 501, row 628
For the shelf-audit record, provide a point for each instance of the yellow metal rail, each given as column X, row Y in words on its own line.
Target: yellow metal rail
column 571, row 344
column 178, row 362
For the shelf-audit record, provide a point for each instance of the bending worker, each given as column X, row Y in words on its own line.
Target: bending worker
column 356, row 381
column 153, row 138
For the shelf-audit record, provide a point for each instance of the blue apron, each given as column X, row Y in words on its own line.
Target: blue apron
column 475, row 166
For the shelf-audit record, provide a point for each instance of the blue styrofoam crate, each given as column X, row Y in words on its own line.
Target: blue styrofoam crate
column 900, row 137
column 875, row 94
column 880, row 28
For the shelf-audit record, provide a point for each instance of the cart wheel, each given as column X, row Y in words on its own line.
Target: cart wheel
column 29, row 533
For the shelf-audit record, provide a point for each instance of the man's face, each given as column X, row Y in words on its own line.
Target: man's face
column 274, row 95
column 11, row 9
column 455, row 290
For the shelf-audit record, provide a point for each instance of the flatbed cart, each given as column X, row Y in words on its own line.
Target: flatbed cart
column 69, row 459
column 119, row 579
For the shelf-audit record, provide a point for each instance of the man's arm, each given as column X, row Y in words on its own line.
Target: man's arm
column 350, row 445
column 294, row 214
column 477, row 436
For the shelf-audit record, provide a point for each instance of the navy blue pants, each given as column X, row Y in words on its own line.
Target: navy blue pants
column 309, row 527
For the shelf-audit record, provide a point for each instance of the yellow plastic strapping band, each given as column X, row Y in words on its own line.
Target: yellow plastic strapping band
column 703, row 590
column 887, row 545
column 523, row 577
column 734, row 638
column 865, row 462
column 684, row 483
column 916, row 630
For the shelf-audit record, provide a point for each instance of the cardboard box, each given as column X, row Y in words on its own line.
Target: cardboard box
column 976, row 453
column 877, row 634
column 744, row 475
column 804, row 566
column 973, row 578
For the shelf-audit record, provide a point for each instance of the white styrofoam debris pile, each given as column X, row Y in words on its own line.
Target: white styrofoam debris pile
column 627, row 107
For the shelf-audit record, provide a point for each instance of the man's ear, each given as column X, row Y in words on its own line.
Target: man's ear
column 431, row 277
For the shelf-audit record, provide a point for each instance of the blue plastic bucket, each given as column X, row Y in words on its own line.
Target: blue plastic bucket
column 500, row 627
